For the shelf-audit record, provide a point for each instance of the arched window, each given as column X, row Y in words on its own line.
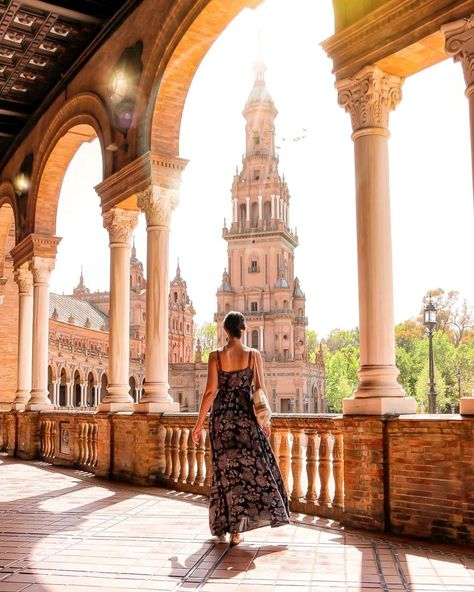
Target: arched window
column 254, row 215
column 267, row 211
column 243, row 214
column 255, row 339
column 175, row 296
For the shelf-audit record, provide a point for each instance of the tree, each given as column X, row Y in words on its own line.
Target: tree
column 341, row 374
column 339, row 338
column 207, row 335
column 311, row 345
column 455, row 318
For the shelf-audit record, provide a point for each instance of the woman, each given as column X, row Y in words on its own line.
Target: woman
column 247, row 490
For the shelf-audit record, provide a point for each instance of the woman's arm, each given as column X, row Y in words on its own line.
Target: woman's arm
column 208, row 397
column 259, row 380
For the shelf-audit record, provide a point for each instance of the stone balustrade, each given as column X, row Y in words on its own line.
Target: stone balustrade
column 412, row 474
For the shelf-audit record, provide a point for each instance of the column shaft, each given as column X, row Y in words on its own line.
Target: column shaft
column 24, row 279
column 120, row 224
column 369, row 97
column 157, row 203
column 41, row 268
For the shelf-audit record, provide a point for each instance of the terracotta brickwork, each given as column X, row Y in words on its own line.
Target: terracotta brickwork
column 431, row 476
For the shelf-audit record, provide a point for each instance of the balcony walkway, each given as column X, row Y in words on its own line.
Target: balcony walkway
column 65, row 530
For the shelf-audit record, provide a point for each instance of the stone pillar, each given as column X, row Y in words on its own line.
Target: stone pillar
column 260, row 209
column 120, row 224
column 41, row 267
column 459, row 43
column 247, row 209
column 158, row 204
column 55, row 393
column 273, row 207
column 83, row 394
column 24, row 279
column 234, row 210
column 261, row 339
column 95, row 395
column 368, row 97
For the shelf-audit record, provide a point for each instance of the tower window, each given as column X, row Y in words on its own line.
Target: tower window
column 175, row 296
column 255, row 339
column 256, row 174
column 254, row 306
column 253, row 266
column 256, row 139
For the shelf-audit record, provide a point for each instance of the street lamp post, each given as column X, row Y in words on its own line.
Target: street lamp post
column 430, row 324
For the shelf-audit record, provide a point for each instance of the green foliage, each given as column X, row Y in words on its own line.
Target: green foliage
column 341, row 372
column 311, row 345
column 207, row 335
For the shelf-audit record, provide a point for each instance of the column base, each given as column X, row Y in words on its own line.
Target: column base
column 466, row 406
column 379, row 406
column 156, row 407
column 39, row 407
column 106, row 407
column 18, row 406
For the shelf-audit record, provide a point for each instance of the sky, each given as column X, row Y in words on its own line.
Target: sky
column 430, row 174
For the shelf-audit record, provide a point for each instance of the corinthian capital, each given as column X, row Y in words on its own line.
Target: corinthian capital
column 120, row 224
column 369, row 97
column 24, row 279
column 158, row 204
column 41, row 268
column 459, row 43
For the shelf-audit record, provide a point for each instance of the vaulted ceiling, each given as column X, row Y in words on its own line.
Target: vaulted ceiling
column 41, row 45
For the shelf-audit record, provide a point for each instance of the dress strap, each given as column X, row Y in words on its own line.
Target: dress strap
column 218, row 360
column 251, row 359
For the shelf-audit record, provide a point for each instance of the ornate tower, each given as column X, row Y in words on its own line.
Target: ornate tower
column 181, row 322
column 81, row 291
column 259, row 280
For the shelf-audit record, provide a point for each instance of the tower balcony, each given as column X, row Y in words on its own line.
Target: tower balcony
column 264, row 228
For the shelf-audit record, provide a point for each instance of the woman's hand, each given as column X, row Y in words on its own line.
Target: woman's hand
column 197, row 433
column 267, row 430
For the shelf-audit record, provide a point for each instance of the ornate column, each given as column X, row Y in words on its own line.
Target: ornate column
column 273, row 207
column 234, row 210
column 158, row 204
column 24, row 279
column 260, row 209
column 459, row 43
column 83, row 394
column 120, row 224
column 41, row 267
column 261, row 348
column 368, row 97
column 247, row 209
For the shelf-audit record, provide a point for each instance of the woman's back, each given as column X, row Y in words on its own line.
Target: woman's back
column 234, row 358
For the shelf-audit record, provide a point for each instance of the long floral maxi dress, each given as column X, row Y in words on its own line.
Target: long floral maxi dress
column 247, row 490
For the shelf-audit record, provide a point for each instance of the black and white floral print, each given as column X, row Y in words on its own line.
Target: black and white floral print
column 247, row 490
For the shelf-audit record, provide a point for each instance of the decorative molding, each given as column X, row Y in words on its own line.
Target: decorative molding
column 120, row 225
column 459, row 43
column 393, row 26
column 137, row 176
column 35, row 245
column 24, row 279
column 158, row 204
column 369, row 97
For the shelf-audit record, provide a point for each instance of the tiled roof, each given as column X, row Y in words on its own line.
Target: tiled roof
column 80, row 310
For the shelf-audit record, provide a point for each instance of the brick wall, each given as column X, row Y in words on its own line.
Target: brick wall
column 431, row 477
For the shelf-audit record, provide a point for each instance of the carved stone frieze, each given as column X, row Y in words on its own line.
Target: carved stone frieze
column 41, row 268
column 120, row 225
column 24, row 279
column 369, row 97
column 158, row 204
column 459, row 43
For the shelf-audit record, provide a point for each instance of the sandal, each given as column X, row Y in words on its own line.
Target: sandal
column 236, row 538
column 220, row 539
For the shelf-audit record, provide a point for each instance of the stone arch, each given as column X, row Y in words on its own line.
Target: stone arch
column 8, row 198
column 80, row 120
column 64, row 379
column 104, row 382
column 169, row 72
column 77, row 381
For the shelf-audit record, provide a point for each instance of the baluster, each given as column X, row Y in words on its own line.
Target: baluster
column 175, row 454
column 284, row 459
column 183, row 456
column 95, row 444
column 42, row 438
column 296, row 465
column 45, row 446
column 48, row 438
column 87, row 441
column 338, row 470
column 54, row 433
column 324, row 462
column 275, row 437
column 200, row 454
column 311, row 467
column 168, row 459
column 191, row 459
column 80, row 444
column 207, row 457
